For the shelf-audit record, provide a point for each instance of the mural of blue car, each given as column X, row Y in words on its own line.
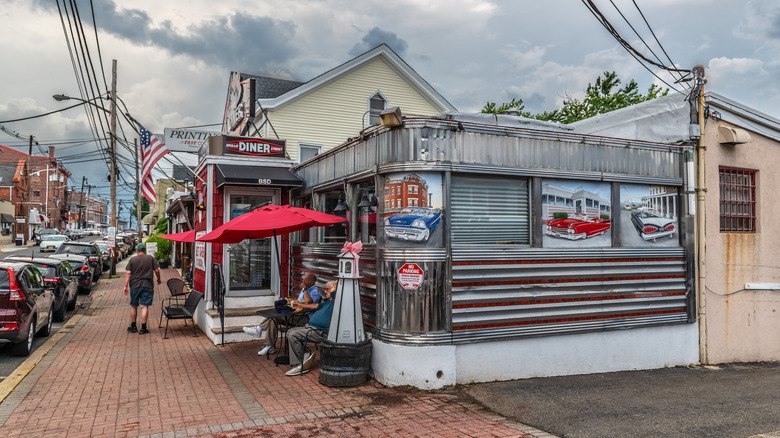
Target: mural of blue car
column 413, row 223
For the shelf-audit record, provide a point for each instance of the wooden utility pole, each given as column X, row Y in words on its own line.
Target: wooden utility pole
column 138, row 192
column 113, row 161
column 27, row 165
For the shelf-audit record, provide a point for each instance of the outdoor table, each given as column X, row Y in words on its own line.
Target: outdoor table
column 283, row 321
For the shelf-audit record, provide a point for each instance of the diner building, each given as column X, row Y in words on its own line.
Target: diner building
column 498, row 247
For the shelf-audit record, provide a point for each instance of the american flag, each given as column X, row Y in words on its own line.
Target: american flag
column 152, row 149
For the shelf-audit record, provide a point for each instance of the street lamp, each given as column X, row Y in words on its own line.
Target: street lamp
column 61, row 97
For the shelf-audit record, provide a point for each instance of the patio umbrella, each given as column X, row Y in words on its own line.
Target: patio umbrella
column 269, row 221
column 186, row 236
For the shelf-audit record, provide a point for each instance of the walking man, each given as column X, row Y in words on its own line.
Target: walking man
column 139, row 282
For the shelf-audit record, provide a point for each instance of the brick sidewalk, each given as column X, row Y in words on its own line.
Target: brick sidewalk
column 102, row 381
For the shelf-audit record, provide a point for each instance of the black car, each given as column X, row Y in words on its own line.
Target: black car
column 88, row 249
column 58, row 275
column 25, row 306
column 82, row 270
column 105, row 254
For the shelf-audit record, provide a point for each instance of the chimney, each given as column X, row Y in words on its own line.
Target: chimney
column 51, row 151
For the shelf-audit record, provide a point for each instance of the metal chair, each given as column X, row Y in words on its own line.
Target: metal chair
column 185, row 312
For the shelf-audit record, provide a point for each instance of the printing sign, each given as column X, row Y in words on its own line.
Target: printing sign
column 410, row 276
column 186, row 140
column 257, row 147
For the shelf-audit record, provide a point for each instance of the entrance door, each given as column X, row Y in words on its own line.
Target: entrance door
column 251, row 265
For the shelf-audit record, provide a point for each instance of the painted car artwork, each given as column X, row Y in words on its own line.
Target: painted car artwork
column 413, row 223
column 578, row 226
column 651, row 224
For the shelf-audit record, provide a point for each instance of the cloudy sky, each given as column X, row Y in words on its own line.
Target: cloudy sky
column 174, row 56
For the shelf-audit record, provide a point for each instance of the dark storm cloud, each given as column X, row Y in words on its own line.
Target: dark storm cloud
column 377, row 36
column 237, row 41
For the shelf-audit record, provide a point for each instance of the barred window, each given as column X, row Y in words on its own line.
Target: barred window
column 737, row 200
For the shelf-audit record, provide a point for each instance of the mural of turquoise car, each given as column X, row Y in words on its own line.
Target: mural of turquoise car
column 413, row 223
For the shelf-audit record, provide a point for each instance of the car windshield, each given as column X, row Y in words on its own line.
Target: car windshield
column 76, row 249
column 103, row 246
column 418, row 212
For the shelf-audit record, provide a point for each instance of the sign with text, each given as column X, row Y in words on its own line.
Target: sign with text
column 151, row 248
column 257, row 147
column 186, row 140
column 410, row 276
column 200, row 251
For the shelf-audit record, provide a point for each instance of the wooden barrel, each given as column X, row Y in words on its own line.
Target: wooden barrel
column 344, row 364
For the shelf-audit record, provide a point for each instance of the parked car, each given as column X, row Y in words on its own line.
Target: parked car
column 124, row 249
column 413, row 223
column 651, row 224
column 40, row 234
column 106, row 254
column 58, row 275
column 82, row 270
column 577, row 227
column 52, row 242
column 25, row 306
column 88, row 249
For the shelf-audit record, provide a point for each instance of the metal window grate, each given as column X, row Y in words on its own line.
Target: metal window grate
column 737, row 200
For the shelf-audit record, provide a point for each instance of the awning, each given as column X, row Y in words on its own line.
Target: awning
column 255, row 176
column 149, row 219
column 7, row 218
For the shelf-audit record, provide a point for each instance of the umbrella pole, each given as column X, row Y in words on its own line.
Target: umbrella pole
column 278, row 263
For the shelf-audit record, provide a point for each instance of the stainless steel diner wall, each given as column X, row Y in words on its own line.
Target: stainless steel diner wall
column 462, row 147
column 323, row 262
column 511, row 293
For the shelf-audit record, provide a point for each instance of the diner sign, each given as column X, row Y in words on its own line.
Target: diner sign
column 258, row 147
column 410, row 276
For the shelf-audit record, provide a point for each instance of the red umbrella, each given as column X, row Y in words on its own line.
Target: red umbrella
column 269, row 221
column 186, row 236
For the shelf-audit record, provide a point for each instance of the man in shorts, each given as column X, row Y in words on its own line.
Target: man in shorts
column 139, row 282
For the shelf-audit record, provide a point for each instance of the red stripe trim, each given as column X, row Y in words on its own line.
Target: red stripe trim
column 559, row 320
column 540, row 262
column 567, row 300
column 562, row 280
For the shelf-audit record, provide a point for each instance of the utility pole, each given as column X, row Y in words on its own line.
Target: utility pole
column 81, row 216
column 86, row 207
column 137, row 193
column 113, row 161
column 27, row 196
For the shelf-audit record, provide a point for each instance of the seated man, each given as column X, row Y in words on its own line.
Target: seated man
column 316, row 331
column 309, row 294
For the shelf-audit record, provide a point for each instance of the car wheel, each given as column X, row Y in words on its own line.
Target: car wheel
column 46, row 330
column 59, row 315
column 25, row 347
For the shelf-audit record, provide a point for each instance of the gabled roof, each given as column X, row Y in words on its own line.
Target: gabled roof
column 269, row 88
column 380, row 52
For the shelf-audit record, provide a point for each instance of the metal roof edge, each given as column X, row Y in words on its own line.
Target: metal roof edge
column 742, row 113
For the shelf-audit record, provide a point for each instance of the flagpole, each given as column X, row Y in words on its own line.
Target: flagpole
column 137, row 193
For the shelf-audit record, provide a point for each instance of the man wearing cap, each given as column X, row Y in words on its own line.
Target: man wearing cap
column 139, row 282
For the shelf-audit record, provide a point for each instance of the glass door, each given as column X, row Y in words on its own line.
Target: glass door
column 252, row 268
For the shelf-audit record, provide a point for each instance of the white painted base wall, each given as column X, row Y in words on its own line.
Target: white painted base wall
column 431, row 367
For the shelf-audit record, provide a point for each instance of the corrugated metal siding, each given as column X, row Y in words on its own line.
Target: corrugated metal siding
column 515, row 293
column 333, row 113
column 323, row 262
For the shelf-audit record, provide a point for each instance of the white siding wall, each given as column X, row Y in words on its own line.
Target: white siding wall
column 334, row 112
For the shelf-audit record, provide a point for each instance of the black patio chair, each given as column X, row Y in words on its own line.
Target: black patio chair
column 185, row 311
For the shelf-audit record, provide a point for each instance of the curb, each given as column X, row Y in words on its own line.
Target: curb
column 8, row 385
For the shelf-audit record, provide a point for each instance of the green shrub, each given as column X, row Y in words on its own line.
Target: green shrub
column 560, row 215
column 604, row 216
column 162, row 226
column 164, row 247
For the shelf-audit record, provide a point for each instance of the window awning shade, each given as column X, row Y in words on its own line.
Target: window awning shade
column 255, row 175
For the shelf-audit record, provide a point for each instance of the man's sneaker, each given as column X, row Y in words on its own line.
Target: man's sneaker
column 143, row 331
column 255, row 331
column 296, row 371
column 266, row 351
column 132, row 329
column 307, row 361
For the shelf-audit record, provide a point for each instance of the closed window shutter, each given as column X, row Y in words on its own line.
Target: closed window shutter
column 489, row 211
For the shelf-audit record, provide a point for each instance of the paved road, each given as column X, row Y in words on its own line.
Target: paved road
column 726, row 401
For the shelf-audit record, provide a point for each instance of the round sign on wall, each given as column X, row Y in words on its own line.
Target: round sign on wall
column 410, row 276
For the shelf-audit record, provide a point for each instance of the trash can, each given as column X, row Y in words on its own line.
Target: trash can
column 344, row 364
column 19, row 240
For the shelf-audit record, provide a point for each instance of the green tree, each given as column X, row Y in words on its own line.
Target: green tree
column 601, row 97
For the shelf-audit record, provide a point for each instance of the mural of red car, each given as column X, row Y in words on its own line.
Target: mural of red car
column 577, row 227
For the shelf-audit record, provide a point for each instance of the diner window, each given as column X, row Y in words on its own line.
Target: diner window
column 488, row 210
column 737, row 200
column 308, row 151
column 376, row 104
column 366, row 212
column 335, row 202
